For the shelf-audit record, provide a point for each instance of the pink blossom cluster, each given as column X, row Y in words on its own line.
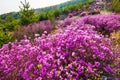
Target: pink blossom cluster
column 31, row 29
column 75, row 52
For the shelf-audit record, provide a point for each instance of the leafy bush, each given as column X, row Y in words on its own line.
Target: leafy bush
column 11, row 26
column 43, row 16
column 4, row 38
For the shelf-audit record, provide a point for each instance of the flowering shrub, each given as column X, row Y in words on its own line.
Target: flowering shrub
column 66, row 22
column 5, row 37
column 30, row 30
column 74, row 52
column 103, row 23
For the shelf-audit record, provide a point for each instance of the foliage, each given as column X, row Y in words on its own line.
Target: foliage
column 26, row 15
column 51, row 15
column 9, row 23
column 5, row 37
column 116, row 5
column 57, row 12
column 43, row 16
column 14, row 15
column 11, row 26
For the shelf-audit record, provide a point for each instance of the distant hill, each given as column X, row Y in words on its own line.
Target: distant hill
column 15, row 15
column 41, row 10
column 50, row 8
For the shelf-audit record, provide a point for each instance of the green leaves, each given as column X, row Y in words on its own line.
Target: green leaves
column 26, row 15
column 5, row 37
column 116, row 5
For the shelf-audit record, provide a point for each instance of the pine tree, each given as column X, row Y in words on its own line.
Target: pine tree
column 26, row 15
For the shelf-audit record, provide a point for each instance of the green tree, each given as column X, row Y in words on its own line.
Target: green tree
column 51, row 16
column 66, row 10
column 27, row 15
column 9, row 18
column 57, row 12
column 43, row 16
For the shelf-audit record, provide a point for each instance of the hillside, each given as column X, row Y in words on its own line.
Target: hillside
column 84, row 45
column 41, row 10
column 68, row 3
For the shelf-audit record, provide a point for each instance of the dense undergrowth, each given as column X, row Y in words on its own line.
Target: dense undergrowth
column 77, row 51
